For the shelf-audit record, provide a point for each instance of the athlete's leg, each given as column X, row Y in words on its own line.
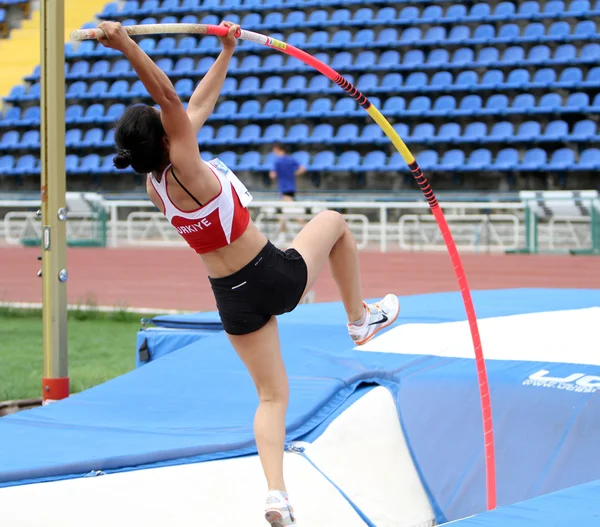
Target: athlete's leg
column 328, row 237
column 261, row 353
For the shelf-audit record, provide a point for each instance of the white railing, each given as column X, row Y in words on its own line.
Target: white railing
column 476, row 225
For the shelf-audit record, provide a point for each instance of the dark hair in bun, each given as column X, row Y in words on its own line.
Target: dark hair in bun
column 139, row 137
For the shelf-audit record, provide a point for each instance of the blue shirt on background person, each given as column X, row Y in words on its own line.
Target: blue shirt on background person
column 285, row 170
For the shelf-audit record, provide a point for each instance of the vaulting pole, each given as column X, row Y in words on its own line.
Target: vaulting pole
column 55, row 382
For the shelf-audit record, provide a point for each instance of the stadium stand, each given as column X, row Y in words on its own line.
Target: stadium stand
column 485, row 94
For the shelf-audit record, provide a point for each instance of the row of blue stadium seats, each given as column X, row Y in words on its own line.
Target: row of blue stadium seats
column 369, row 83
column 421, row 106
column 508, row 159
column 410, row 15
column 485, row 34
column 349, row 133
column 416, row 59
column 385, row 14
column 515, row 56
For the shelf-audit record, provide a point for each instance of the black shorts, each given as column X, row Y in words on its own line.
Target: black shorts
column 291, row 194
column 271, row 284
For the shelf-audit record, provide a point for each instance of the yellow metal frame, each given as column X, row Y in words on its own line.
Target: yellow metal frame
column 53, row 189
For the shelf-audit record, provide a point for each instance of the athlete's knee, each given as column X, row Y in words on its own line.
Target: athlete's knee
column 335, row 220
column 274, row 393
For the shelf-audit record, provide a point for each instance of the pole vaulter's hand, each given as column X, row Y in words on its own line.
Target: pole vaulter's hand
column 230, row 41
column 115, row 36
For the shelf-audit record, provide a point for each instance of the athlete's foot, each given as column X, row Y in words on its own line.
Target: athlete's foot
column 376, row 317
column 278, row 511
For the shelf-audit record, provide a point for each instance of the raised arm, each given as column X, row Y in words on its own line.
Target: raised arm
column 206, row 94
column 178, row 128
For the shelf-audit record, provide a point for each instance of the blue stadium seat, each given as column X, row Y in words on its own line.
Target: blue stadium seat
column 320, row 83
column 435, row 35
column 296, row 83
column 409, row 36
column 9, row 141
column 318, row 39
column 298, row 132
column 470, row 105
column 227, row 108
column 528, row 131
column 185, row 65
column 556, row 131
column 317, row 17
column 81, row 69
column 543, row 78
column 413, row 57
column 386, row 15
column 343, row 107
column 466, row 80
column 323, row 160
column 249, row 161
column 189, row 19
column 272, row 108
column 579, row 7
column 513, row 55
column 31, row 116
column 320, row 107
column 342, row 60
column 229, row 86
column 348, row 161
column 533, row 159
column 294, row 19
column 554, row 7
column 423, row 132
column 115, row 112
column 72, row 163
column 368, row 82
column 577, row 101
column 251, row 19
column 559, row 30
column 492, row 79
column 121, row 68
column 419, row 105
column 437, row 57
column 549, row 101
column 480, row 11
column 432, row 14
column 484, row 33
column 501, row 131
column 506, row 159
column 229, row 158
column 592, row 79
column 590, row 53
column 119, row 89
column 562, row 159
column 523, row 103
column 402, row 130
column 296, row 108
column 76, row 90
column 444, row 105
column 480, row 159
column 96, row 90
column 205, row 134
column 504, row 10
column 371, row 133
column 302, row 157
column 459, row 34
column 73, row 137
column 410, row 13
column 416, row 81
column 570, row 77
column 509, row 32
column 456, row 12
column 347, row 133
column 583, row 131
column 427, row 159
column 589, row 160
column 26, row 164
column 93, row 138
column 448, row 132
column 394, row 105
column 488, row 56
column 12, row 115
column 529, row 8
column 93, row 113
column 226, row 134
column 362, row 15
column 109, row 138
column 463, row 57
column 6, row 164
column 340, row 17
column 517, row 78
column 497, row 103
column 474, row 132
column 297, row 39
column 565, row 53
column 539, row 53
column 375, row 160
column 452, row 160
column 534, row 32
column 365, row 60
column 396, row 162
column 339, row 39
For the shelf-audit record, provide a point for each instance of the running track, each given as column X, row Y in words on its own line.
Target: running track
column 176, row 278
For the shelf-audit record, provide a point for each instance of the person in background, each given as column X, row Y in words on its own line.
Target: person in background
column 285, row 170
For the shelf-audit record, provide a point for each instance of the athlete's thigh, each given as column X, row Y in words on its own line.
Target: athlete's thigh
column 315, row 241
column 260, row 351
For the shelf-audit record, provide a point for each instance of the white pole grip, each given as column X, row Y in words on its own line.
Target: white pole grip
column 153, row 29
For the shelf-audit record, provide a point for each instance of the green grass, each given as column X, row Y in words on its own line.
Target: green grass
column 101, row 346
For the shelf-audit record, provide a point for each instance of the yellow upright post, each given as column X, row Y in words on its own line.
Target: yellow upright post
column 55, row 382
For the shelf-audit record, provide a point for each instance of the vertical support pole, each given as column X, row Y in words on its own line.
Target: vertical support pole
column 55, row 382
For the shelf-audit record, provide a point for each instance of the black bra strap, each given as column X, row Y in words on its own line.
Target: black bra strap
column 188, row 192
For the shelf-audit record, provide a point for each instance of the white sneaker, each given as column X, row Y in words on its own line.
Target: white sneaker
column 278, row 510
column 379, row 315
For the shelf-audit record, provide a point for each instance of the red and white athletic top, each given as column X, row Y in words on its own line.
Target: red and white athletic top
column 218, row 222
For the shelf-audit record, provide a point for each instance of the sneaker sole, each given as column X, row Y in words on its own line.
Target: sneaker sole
column 383, row 326
column 274, row 517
